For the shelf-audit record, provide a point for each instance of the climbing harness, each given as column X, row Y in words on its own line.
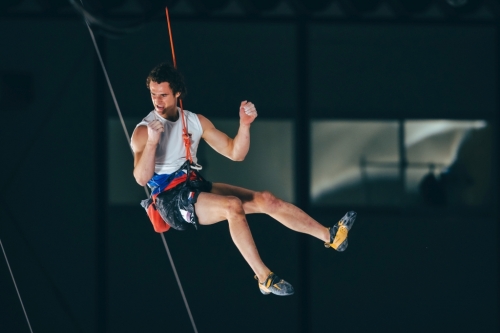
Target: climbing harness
column 173, row 206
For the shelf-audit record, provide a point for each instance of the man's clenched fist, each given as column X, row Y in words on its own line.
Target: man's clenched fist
column 248, row 112
column 155, row 128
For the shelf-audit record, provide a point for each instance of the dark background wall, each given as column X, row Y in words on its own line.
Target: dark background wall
column 82, row 266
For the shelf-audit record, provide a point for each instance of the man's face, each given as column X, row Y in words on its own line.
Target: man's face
column 163, row 99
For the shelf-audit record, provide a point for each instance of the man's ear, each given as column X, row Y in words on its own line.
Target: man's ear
column 177, row 95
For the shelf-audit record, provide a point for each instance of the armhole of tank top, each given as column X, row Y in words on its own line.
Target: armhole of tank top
column 197, row 121
column 142, row 123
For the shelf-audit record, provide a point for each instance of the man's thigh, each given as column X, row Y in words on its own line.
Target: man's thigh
column 246, row 196
column 211, row 208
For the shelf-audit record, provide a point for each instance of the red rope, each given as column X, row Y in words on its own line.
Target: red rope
column 185, row 135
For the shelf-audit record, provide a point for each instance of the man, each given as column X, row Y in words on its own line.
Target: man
column 179, row 200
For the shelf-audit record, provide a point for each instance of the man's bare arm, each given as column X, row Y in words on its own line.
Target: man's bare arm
column 235, row 149
column 144, row 142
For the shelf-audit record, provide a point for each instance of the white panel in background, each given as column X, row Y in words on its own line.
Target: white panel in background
column 357, row 163
column 268, row 165
column 338, row 148
column 457, row 152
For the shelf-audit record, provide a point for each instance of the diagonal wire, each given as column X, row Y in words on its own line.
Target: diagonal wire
column 57, row 293
column 179, row 283
column 145, row 188
column 109, row 84
column 48, row 116
column 15, row 285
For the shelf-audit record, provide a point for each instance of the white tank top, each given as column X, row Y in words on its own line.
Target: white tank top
column 171, row 152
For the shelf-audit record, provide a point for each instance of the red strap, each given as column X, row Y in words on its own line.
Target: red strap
column 158, row 224
column 185, row 134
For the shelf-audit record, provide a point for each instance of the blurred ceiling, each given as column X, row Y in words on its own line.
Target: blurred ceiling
column 359, row 9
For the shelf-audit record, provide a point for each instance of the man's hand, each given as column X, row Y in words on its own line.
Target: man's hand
column 155, row 128
column 248, row 113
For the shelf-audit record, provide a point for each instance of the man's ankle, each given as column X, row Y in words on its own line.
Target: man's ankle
column 263, row 277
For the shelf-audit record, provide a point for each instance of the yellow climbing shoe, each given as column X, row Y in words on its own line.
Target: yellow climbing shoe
column 273, row 284
column 338, row 233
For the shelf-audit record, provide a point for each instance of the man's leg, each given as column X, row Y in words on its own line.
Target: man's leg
column 212, row 208
column 282, row 211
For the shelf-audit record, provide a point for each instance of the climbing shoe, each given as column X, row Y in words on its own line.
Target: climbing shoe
column 273, row 284
column 338, row 233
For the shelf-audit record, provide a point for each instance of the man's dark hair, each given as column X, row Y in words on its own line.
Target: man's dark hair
column 165, row 72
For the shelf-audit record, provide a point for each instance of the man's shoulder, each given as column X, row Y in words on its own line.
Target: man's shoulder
column 139, row 138
column 197, row 116
column 205, row 123
column 145, row 121
column 148, row 118
column 191, row 113
column 201, row 118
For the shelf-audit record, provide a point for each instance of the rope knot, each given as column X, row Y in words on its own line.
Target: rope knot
column 187, row 144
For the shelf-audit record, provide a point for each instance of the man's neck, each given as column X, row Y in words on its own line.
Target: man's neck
column 172, row 114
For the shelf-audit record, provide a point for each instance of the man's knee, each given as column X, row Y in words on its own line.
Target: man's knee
column 233, row 206
column 267, row 202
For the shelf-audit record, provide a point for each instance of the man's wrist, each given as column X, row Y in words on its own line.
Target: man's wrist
column 244, row 126
column 151, row 144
